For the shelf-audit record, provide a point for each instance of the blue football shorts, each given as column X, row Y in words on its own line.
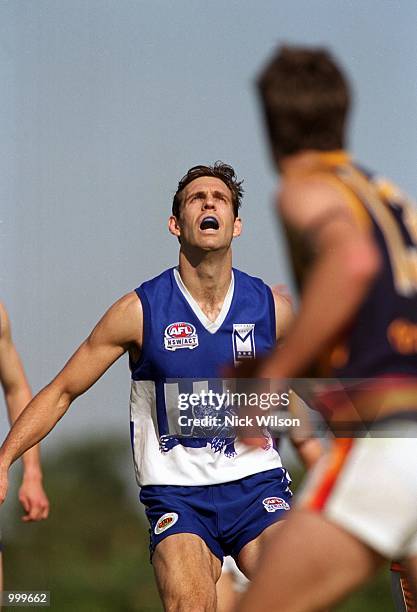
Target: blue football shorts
column 226, row 516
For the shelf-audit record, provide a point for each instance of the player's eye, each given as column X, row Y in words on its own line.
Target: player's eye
column 221, row 196
column 196, row 196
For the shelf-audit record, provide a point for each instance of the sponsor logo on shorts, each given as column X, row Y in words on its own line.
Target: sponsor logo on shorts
column 180, row 335
column 165, row 522
column 272, row 504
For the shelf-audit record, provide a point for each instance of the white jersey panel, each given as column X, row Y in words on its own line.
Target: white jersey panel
column 184, row 466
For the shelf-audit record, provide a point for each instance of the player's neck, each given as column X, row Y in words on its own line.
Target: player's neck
column 208, row 280
column 307, row 161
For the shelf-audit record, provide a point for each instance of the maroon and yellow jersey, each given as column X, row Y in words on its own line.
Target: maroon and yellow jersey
column 382, row 338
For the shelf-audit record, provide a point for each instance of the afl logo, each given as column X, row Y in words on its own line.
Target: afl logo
column 272, row 504
column 180, row 335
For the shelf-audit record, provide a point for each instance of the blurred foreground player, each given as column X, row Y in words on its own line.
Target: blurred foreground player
column 206, row 494
column 17, row 395
column 352, row 238
column 230, row 586
column 232, row 583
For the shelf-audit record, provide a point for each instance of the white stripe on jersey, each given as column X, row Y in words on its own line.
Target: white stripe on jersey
column 181, row 465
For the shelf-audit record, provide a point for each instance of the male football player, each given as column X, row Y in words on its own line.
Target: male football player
column 353, row 242
column 206, row 494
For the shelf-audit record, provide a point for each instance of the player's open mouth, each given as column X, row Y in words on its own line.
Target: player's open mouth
column 209, row 223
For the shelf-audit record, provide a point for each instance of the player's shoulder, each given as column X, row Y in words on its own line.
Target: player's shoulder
column 127, row 302
column 127, row 309
column 304, row 199
column 123, row 311
column 122, row 321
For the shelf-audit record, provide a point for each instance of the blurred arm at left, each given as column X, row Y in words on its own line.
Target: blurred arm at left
column 17, row 395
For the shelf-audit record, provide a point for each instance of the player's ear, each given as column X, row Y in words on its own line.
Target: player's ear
column 237, row 227
column 174, row 226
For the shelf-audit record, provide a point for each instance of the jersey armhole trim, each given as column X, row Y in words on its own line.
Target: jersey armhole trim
column 273, row 317
column 146, row 327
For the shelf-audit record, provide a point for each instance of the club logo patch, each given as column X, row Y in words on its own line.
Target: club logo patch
column 180, row 335
column 243, row 341
column 272, row 504
column 165, row 522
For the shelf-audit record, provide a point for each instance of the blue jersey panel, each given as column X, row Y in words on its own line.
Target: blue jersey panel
column 177, row 344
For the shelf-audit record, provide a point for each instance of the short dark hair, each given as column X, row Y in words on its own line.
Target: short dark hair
column 306, row 99
column 219, row 170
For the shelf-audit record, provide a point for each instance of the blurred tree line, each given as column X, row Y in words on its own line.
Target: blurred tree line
column 92, row 553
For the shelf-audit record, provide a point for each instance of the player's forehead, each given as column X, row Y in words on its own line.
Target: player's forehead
column 207, row 184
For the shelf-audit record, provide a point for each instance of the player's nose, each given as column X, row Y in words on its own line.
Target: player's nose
column 209, row 203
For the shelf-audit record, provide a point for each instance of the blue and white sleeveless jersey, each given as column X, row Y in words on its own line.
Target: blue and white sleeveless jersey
column 182, row 352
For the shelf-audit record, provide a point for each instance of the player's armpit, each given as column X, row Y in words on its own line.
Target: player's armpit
column 284, row 311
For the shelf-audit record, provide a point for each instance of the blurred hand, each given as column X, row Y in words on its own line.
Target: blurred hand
column 33, row 499
column 249, row 382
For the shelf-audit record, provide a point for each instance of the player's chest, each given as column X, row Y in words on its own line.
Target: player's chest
column 186, row 348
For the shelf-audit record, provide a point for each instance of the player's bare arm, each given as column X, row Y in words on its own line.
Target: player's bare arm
column 119, row 330
column 346, row 262
column 15, row 386
column 17, row 394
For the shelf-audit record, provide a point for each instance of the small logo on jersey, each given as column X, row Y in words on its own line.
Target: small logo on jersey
column 180, row 335
column 272, row 504
column 165, row 522
column 243, row 341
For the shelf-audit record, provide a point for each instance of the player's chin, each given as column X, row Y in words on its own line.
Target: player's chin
column 211, row 245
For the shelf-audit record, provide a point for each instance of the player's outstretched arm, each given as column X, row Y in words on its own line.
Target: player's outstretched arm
column 346, row 262
column 17, row 395
column 119, row 330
